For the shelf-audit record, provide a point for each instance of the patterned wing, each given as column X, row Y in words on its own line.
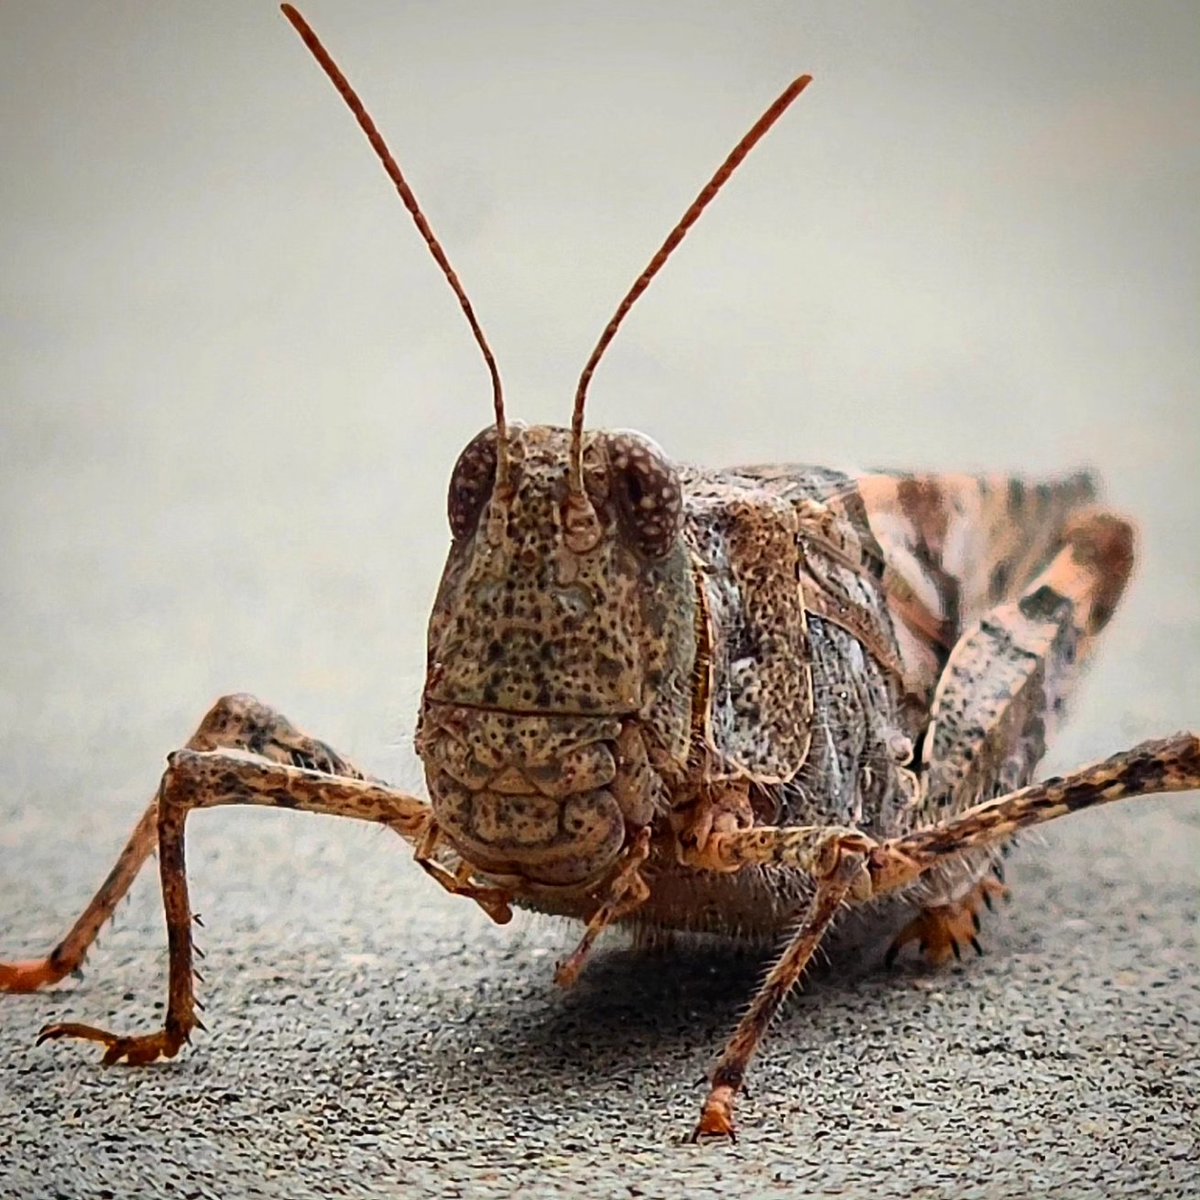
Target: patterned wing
column 831, row 604
column 957, row 545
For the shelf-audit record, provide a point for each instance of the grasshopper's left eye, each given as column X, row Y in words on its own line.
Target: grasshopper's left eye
column 471, row 483
column 648, row 492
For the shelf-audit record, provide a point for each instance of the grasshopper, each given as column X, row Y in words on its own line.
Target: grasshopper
column 738, row 701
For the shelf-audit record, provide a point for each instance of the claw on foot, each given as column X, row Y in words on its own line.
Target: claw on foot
column 137, row 1050
column 942, row 930
column 29, row 976
column 716, row 1118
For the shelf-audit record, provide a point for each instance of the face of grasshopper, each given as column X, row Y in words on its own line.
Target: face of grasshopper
column 561, row 650
column 558, row 702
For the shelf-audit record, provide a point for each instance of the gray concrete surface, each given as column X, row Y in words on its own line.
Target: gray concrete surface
column 233, row 388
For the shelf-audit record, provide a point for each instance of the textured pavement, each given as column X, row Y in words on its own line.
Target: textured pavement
column 233, row 389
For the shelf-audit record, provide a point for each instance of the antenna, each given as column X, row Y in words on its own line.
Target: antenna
column 367, row 125
column 707, row 193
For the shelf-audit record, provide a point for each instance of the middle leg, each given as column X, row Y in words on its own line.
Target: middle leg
column 848, row 868
column 998, row 700
column 206, row 779
column 728, row 1077
column 235, row 722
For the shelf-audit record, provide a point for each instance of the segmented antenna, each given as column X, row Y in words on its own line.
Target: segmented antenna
column 367, row 125
column 710, row 189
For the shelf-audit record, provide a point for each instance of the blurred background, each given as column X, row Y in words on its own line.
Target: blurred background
column 234, row 383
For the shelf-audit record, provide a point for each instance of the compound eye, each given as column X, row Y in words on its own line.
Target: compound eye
column 648, row 492
column 471, row 483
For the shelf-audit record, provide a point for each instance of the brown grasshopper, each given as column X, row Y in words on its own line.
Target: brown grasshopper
column 736, row 701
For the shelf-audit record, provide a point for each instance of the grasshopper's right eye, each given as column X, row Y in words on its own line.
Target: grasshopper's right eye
column 471, row 483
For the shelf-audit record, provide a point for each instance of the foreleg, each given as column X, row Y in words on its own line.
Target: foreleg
column 1163, row 765
column 627, row 893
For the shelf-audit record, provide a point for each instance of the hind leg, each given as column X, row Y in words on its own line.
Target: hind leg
column 236, row 722
column 1002, row 692
column 941, row 930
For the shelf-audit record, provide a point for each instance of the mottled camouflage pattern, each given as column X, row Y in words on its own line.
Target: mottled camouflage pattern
column 774, row 657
